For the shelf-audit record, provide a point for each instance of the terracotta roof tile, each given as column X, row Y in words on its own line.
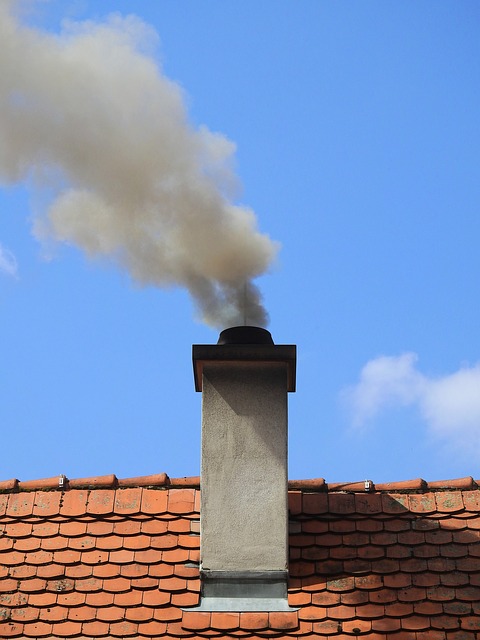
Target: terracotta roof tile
column 128, row 500
column 192, row 481
column 418, row 484
column 43, row 484
column 109, row 481
column 315, row 484
column 20, row 504
column 159, row 480
column 127, row 527
column 119, row 558
column 74, row 503
column 8, row 485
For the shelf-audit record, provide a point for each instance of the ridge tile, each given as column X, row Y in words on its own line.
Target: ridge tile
column 109, row 481
column 157, row 479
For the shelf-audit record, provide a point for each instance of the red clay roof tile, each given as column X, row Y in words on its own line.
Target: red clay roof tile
column 116, row 558
column 283, row 620
column 128, row 500
column 139, row 614
column 42, row 484
column 192, row 481
column 154, row 501
column 158, row 479
column 471, row 501
column 314, row 503
column 8, row 485
column 22, row 544
column 46, row 503
column 154, row 628
column 20, row 504
column 127, row 527
column 135, row 571
column 449, row 502
column 74, row 503
column 109, row 481
column 131, row 598
column 181, row 501
column 418, row 484
column 351, row 486
column 95, row 629
column 198, row 620
column 97, row 599
column 314, row 484
column 458, row 483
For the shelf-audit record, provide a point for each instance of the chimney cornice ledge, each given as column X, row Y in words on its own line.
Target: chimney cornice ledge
column 242, row 353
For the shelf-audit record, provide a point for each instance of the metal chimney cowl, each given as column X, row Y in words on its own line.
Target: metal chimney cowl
column 244, row 510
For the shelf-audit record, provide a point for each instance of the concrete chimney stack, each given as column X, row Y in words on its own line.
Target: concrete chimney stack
column 244, row 381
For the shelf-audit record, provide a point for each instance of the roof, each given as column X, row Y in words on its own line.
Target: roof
column 107, row 558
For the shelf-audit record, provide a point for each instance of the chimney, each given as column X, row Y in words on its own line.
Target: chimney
column 244, row 381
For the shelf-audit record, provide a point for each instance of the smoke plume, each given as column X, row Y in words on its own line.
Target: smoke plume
column 89, row 115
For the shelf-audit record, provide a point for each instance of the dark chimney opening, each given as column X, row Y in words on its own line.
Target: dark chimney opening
column 245, row 335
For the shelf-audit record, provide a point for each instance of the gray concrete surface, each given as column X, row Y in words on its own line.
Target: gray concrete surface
column 244, row 512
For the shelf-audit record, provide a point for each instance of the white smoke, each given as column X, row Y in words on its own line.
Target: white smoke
column 89, row 114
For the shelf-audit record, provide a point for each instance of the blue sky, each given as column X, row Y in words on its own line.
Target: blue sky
column 357, row 141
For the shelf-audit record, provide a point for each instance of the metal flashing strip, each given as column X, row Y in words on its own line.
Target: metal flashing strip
column 243, row 604
column 244, row 591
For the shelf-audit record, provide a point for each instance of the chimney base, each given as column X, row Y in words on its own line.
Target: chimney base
column 244, row 591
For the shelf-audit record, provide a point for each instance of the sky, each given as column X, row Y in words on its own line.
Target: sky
column 164, row 165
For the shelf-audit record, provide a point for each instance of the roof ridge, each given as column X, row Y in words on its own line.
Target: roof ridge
column 111, row 481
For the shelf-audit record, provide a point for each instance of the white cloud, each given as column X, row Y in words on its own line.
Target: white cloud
column 450, row 404
column 453, row 402
column 8, row 262
column 384, row 381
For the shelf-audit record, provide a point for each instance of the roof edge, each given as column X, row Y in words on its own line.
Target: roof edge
column 162, row 480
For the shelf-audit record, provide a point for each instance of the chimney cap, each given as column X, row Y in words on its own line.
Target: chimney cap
column 245, row 345
column 245, row 334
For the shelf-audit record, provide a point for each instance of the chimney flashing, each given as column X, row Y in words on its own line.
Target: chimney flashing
column 244, row 591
